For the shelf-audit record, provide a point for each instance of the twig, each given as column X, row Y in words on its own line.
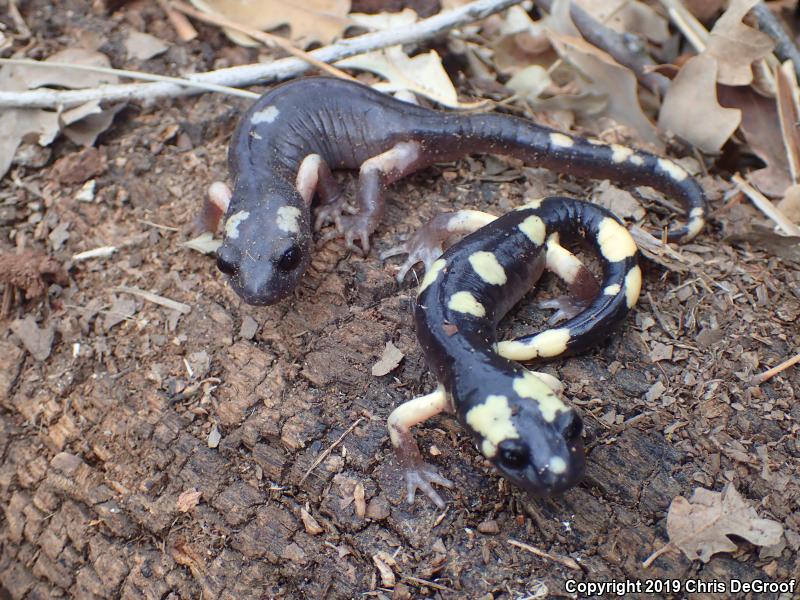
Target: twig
column 265, row 38
column 329, row 449
column 262, row 73
column 687, row 23
column 180, row 23
column 625, row 48
column 211, row 87
column 568, row 562
column 785, row 48
column 101, row 252
column 652, row 558
column 425, row 582
column 765, row 206
column 769, row 374
column 182, row 308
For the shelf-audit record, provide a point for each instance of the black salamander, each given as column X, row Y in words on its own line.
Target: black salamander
column 282, row 152
column 515, row 416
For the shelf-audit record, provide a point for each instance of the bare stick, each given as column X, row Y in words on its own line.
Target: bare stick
column 265, row 38
column 566, row 561
column 765, row 206
column 180, row 23
column 329, row 449
column 628, row 50
column 211, row 87
column 785, row 48
column 262, row 73
column 769, row 374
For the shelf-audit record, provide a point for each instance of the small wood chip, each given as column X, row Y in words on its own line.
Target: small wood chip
column 182, row 308
column 389, row 360
column 310, row 523
column 188, row 500
column 387, row 575
column 359, row 497
column 214, row 436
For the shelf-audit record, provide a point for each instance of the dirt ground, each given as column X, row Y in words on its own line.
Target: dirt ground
column 137, row 404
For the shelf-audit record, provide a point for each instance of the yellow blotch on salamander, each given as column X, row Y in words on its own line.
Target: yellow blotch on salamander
column 615, row 242
column 431, row 275
column 488, row 268
column 492, row 420
column 530, row 386
column 465, row 302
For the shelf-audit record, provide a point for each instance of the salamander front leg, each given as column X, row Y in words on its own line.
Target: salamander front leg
column 418, row 474
column 427, row 243
column 375, row 174
column 216, row 204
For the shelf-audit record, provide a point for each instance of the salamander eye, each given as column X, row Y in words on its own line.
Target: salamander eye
column 225, row 266
column 513, row 454
column 573, row 427
column 290, row 258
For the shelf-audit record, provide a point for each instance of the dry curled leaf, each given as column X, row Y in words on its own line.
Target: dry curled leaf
column 630, row 17
column 389, row 360
column 736, row 45
column 310, row 21
column 761, row 128
column 691, row 111
column 608, row 77
column 700, row 526
column 422, row 74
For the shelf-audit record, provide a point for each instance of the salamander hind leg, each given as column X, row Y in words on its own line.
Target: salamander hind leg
column 427, row 243
column 418, row 474
column 581, row 283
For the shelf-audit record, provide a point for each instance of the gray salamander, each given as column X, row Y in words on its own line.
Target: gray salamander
column 285, row 145
column 515, row 416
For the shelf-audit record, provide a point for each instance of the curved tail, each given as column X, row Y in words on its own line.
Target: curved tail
column 543, row 147
column 619, row 290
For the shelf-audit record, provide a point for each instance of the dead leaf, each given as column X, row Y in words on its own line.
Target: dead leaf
column 629, row 17
column 521, row 40
column 310, row 21
column 787, row 102
column 123, row 308
column 422, row 74
column 700, row 526
column 790, row 204
column 388, row 578
column 143, row 46
column 188, row 500
column 389, row 360
column 385, row 20
column 530, row 82
column 60, row 77
column 736, row 45
column 785, row 247
column 661, row 352
column 36, row 341
column 204, row 243
column 82, row 124
column 690, row 108
column 610, row 78
column 621, row 202
column 761, row 128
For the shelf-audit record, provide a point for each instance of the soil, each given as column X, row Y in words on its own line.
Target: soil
column 132, row 406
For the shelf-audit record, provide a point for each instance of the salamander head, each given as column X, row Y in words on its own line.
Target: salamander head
column 530, row 435
column 265, row 250
column 546, row 459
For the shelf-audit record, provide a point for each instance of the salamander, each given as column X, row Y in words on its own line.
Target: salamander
column 515, row 416
column 286, row 144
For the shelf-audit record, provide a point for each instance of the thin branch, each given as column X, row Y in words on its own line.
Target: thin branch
column 763, row 204
column 211, row 87
column 265, row 38
column 263, row 73
column 769, row 374
column 785, row 48
column 628, row 50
